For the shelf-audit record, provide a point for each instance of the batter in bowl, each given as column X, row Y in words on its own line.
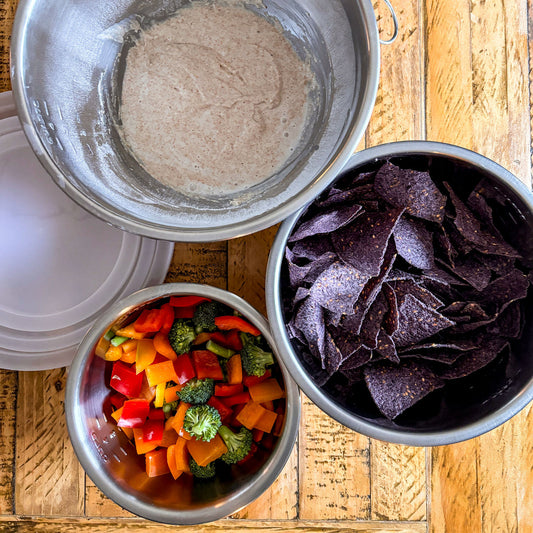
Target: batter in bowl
column 214, row 99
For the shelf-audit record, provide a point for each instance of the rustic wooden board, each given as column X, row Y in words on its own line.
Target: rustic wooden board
column 459, row 72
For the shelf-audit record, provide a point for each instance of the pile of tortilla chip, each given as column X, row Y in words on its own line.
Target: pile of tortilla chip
column 399, row 282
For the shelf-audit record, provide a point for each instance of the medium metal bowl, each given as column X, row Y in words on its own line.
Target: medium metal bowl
column 113, row 464
column 68, row 55
column 479, row 404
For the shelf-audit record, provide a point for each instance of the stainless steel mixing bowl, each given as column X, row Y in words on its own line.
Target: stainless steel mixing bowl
column 477, row 404
column 112, row 462
column 66, row 58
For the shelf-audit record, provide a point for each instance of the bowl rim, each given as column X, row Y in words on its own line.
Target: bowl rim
column 136, row 225
column 236, row 500
column 298, row 372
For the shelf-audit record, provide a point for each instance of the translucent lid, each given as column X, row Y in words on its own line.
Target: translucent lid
column 59, row 265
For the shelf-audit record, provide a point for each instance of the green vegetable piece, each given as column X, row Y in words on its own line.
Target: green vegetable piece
column 117, row 340
column 197, row 391
column 202, row 472
column 181, row 335
column 254, row 358
column 204, row 316
column 202, row 422
column 212, row 346
column 239, row 444
column 109, row 335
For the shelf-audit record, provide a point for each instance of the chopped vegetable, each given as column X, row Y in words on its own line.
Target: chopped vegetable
column 202, row 422
column 236, row 322
column 185, row 399
column 254, row 358
column 202, row 472
column 197, row 391
column 181, row 335
column 238, row 444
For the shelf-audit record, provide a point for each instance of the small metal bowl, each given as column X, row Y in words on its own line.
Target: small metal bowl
column 481, row 403
column 67, row 58
column 112, row 463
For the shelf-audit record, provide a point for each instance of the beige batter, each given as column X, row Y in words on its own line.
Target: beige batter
column 214, row 99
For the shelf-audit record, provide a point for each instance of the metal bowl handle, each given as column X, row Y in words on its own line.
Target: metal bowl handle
column 395, row 23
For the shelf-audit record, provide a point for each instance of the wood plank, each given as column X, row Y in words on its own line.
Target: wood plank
column 199, row 263
column 478, row 97
column 74, row 525
column 49, row 479
column 8, row 398
column 397, row 114
column 7, row 15
column 398, row 473
column 398, row 482
column 334, row 469
column 247, row 259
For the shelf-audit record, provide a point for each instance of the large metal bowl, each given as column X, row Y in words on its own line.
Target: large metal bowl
column 66, row 56
column 112, row 463
column 475, row 406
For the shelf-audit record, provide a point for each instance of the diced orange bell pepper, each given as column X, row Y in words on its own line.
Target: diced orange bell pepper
column 171, row 461
column 160, row 373
column 169, row 437
column 156, row 463
column 130, row 332
column 163, row 347
column 129, row 346
column 113, row 353
column 146, row 353
column 266, row 390
column 101, row 347
column 250, row 414
column 141, row 446
column 129, row 357
column 234, row 369
column 171, row 393
column 266, row 421
column 182, row 455
column 206, row 452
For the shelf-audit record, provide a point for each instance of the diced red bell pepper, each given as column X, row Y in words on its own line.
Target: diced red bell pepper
column 117, row 400
column 184, row 368
column 257, row 434
column 223, row 410
column 187, row 301
column 167, row 311
column 184, row 312
column 236, row 399
column 233, row 339
column 149, row 321
column 207, row 365
column 156, row 414
column 125, row 380
column 236, row 322
column 254, row 380
column 134, row 413
column 153, row 430
column 223, row 389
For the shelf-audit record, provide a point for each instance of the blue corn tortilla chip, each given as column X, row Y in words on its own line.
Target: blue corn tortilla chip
column 359, row 358
column 412, row 190
column 472, row 271
column 404, row 287
column 414, row 242
column 312, row 248
column 326, row 222
column 338, row 287
column 475, row 360
column 418, row 321
column 396, row 387
column 392, row 318
column 472, row 230
column 363, row 243
column 498, row 294
column 386, row 347
column 309, row 320
column 371, row 326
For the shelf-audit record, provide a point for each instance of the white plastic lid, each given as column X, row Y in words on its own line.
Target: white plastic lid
column 60, row 266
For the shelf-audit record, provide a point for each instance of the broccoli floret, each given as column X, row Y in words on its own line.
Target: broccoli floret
column 202, row 472
column 254, row 358
column 202, row 422
column 197, row 391
column 204, row 316
column 239, row 444
column 181, row 335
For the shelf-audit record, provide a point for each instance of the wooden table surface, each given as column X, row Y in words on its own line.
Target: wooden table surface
column 459, row 73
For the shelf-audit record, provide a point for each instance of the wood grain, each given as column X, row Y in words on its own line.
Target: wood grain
column 7, row 14
column 74, row 525
column 8, row 398
column 334, row 468
column 49, row 479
